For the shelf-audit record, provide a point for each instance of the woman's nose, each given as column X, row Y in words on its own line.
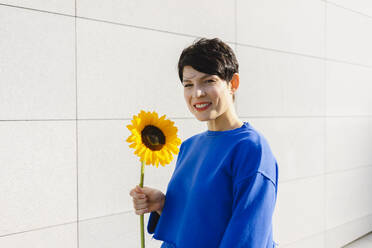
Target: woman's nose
column 199, row 92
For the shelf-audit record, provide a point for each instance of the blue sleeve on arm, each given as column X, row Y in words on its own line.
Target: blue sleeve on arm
column 154, row 216
column 247, row 158
column 251, row 221
column 153, row 220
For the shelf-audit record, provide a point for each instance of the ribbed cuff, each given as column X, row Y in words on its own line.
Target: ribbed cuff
column 153, row 220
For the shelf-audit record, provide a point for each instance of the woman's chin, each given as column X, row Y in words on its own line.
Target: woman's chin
column 202, row 118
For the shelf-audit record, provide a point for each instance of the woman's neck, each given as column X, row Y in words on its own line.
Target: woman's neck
column 227, row 121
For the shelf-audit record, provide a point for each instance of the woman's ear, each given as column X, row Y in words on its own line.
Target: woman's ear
column 234, row 83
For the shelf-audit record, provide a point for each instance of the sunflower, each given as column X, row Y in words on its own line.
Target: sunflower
column 154, row 139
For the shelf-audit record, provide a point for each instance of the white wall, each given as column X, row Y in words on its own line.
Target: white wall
column 72, row 75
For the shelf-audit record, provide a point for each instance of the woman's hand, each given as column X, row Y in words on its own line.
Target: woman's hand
column 147, row 200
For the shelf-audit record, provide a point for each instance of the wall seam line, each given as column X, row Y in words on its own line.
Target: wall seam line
column 76, row 135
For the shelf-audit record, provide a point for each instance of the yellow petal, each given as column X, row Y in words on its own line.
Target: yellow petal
column 151, row 157
column 178, row 141
column 141, row 150
column 147, row 155
column 132, row 138
column 156, row 160
column 173, row 148
column 166, row 156
column 154, row 157
column 169, row 155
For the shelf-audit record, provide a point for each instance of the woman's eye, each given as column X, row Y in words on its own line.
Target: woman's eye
column 210, row 81
column 188, row 85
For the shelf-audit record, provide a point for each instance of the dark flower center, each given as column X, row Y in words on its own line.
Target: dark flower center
column 153, row 138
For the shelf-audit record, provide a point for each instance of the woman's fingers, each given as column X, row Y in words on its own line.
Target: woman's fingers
column 140, row 206
column 139, row 201
column 139, row 196
column 138, row 189
column 141, row 211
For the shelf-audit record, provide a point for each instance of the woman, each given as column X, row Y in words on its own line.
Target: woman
column 224, row 187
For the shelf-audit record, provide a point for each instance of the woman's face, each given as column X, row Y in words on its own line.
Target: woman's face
column 207, row 96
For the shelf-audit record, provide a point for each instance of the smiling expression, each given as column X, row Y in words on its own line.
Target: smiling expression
column 207, row 96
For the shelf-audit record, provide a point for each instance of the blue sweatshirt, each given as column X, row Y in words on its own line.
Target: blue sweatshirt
column 222, row 193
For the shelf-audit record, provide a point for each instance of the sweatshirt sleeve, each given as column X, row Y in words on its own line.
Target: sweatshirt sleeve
column 251, row 221
column 154, row 216
column 153, row 220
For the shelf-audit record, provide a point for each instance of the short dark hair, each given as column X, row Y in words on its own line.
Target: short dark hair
column 211, row 56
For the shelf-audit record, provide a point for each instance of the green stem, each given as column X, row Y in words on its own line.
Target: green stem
column 141, row 217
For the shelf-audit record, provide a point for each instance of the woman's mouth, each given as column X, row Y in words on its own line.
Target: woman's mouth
column 202, row 106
